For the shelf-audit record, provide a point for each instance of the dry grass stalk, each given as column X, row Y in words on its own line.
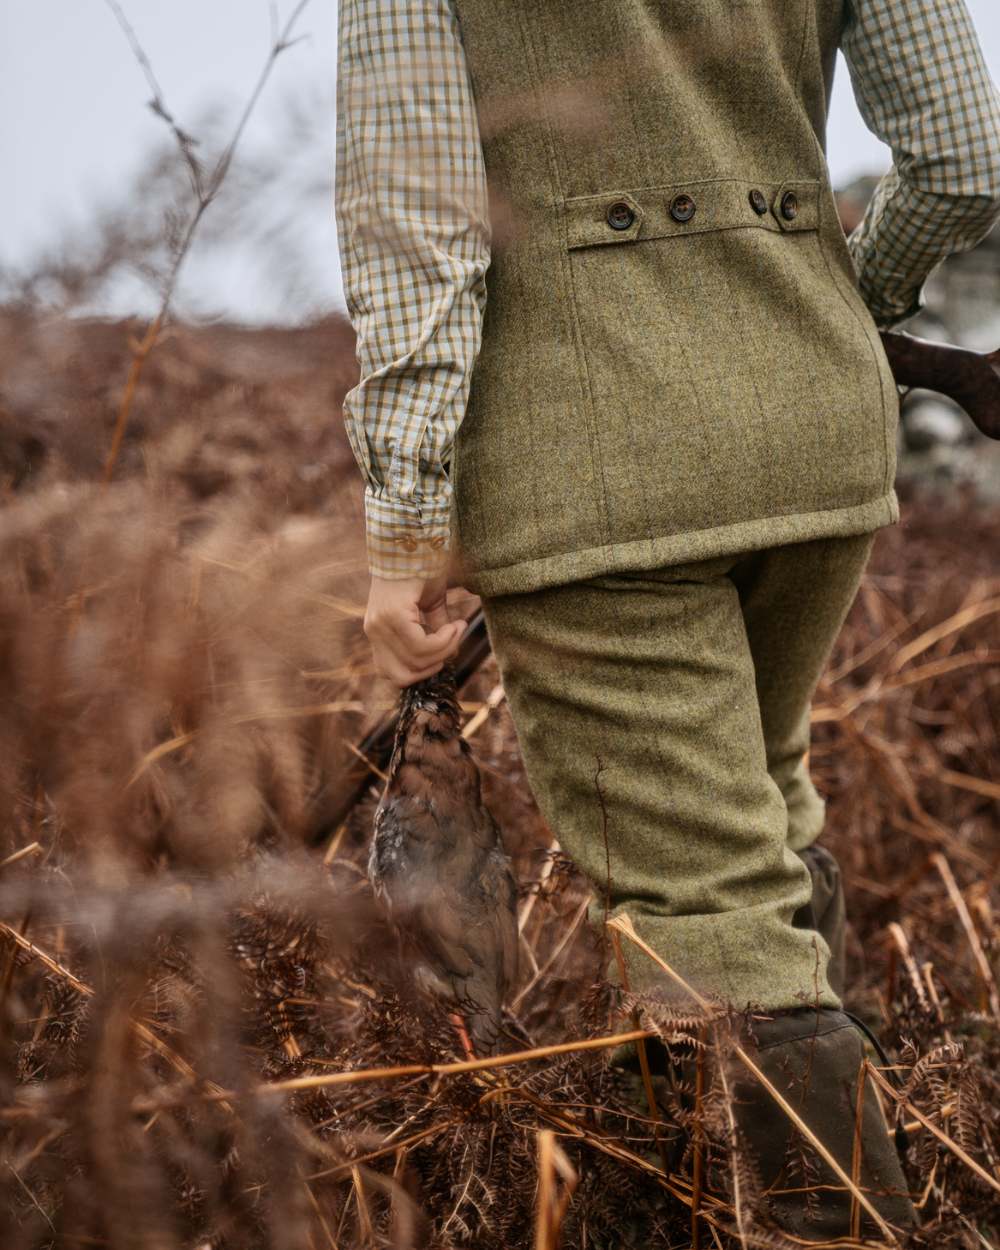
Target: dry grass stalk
column 187, row 673
column 326, row 1081
column 902, row 943
column 624, row 925
column 856, row 1152
column 553, row 1166
column 982, row 963
column 942, row 1137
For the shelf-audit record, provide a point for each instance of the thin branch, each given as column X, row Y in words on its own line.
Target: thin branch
column 185, row 142
column 325, row 1081
column 624, row 925
column 205, row 192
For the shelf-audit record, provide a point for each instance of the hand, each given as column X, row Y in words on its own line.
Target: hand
column 409, row 628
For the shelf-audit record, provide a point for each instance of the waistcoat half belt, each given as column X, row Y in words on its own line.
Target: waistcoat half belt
column 676, row 361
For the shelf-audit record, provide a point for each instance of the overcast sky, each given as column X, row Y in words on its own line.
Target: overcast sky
column 76, row 128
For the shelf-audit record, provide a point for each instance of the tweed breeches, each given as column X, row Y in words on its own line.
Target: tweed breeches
column 663, row 717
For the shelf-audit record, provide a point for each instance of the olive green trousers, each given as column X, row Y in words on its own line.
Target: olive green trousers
column 663, row 717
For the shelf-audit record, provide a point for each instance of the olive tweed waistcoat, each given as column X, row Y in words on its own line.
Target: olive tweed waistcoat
column 675, row 362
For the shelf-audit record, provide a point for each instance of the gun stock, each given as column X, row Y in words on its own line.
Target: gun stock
column 971, row 379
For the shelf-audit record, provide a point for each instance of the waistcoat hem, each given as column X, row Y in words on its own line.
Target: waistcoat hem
column 750, row 535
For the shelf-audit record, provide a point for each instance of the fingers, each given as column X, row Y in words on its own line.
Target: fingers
column 410, row 640
column 403, row 651
column 392, row 670
column 401, row 668
column 436, row 617
column 433, row 603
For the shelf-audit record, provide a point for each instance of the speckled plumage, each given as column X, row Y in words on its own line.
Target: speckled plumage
column 438, row 865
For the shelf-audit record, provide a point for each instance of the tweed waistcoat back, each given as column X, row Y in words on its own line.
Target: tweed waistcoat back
column 676, row 362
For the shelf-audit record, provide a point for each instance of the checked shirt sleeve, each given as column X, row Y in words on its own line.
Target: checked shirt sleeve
column 413, row 230
column 922, row 86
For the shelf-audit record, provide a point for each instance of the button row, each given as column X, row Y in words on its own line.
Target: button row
column 621, row 215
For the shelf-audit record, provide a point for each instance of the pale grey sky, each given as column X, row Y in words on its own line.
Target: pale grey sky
column 76, row 127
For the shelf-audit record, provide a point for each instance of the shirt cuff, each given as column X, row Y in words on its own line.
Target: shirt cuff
column 405, row 539
column 885, row 312
column 890, row 319
column 888, row 314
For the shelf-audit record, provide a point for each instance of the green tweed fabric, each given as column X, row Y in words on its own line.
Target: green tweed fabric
column 679, row 698
column 675, row 389
column 414, row 224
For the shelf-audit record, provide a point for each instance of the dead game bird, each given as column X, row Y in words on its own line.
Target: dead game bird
column 437, row 864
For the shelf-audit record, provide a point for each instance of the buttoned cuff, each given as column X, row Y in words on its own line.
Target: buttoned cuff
column 405, row 539
column 886, row 312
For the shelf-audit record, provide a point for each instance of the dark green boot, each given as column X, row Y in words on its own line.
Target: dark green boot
column 825, row 912
column 813, row 1059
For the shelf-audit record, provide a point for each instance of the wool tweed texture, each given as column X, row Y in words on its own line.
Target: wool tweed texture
column 656, row 385
column 663, row 717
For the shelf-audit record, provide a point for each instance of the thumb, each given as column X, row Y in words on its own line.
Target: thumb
column 436, row 617
column 438, row 621
column 443, row 626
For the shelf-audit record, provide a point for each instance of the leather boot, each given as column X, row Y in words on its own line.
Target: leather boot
column 825, row 912
column 813, row 1059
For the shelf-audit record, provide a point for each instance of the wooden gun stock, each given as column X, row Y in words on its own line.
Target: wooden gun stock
column 971, row 379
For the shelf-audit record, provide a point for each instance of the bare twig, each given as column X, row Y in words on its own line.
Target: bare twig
column 942, row 1137
column 982, row 963
column 204, row 191
column 624, row 925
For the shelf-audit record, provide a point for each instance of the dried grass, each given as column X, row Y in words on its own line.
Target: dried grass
column 206, row 1040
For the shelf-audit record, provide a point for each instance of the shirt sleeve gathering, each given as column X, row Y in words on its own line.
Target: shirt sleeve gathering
column 922, row 86
column 413, row 228
column 412, row 216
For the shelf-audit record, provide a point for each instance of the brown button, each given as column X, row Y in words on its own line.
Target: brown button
column 620, row 215
column 757, row 202
column 789, row 205
column 682, row 207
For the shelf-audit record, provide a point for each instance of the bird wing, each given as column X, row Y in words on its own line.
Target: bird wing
column 509, row 946
column 443, row 938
